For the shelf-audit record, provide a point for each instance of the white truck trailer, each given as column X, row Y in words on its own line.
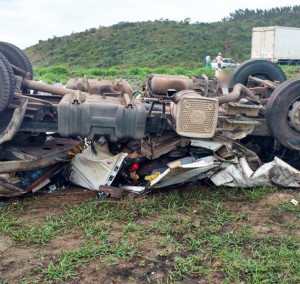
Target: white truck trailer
column 278, row 44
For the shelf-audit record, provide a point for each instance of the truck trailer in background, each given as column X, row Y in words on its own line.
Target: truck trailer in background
column 278, row 44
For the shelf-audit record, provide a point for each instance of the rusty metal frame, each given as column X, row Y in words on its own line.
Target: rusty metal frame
column 29, row 158
column 15, row 122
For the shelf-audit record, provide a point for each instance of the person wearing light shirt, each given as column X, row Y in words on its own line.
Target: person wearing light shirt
column 219, row 60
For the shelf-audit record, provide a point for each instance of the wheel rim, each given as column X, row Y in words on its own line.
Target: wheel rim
column 293, row 115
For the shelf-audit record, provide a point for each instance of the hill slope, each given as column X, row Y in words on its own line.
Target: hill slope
column 159, row 43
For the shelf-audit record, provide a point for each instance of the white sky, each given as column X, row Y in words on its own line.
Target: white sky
column 25, row 22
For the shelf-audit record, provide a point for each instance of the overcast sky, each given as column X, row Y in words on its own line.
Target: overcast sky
column 25, row 22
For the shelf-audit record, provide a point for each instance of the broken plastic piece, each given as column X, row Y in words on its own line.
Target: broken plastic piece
column 295, row 202
column 153, row 176
column 91, row 169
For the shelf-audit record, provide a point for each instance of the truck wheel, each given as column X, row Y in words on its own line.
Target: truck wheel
column 260, row 68
column 283, row 114
column 16, row 57
column 7, row 82
column 293, row 63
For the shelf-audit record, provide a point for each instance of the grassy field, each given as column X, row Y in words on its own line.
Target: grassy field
column 195, row 234
column 134, row 75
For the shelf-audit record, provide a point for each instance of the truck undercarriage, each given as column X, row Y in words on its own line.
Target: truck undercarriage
column 177, row 129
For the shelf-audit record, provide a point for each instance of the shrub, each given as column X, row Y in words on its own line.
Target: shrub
column 59, row 70
column 112, row 72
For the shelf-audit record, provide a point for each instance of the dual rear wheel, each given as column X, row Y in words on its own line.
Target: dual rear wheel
column 10, row 54
column 283, row 108
column 283, row 114
column 7, row 82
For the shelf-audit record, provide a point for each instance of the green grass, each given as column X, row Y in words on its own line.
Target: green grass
column 63, row 267
column 184, row 234
column 291, row 71
column 135, row 75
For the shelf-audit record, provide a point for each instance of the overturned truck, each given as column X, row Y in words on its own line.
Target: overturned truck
column 232, row 130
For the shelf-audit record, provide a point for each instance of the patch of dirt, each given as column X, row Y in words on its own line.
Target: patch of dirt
column 68, row 196
column 40, row 207
column 148, row 265
column 116, row 236
column 216, row 277
column 150, row 248
column 260, row 215
column 37, row 216
column 64, row 243
column 5, row 243
column 130, row 272
column 97, row 272
column 275, row 199
column 57, row 199
column 16, row 262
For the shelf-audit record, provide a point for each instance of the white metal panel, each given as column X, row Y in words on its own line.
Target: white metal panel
column 287, row 43
column 276, row 43
column 263, row 42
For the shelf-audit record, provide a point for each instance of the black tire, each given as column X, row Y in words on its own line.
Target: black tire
column 16, row 57
column 276, row 113
column 7, row 82
column 294, row 62
column 260, row 68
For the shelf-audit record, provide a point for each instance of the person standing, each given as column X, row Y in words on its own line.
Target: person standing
column 208, row 61
column 219, row 60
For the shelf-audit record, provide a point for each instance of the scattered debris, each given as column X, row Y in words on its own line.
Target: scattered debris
column 28, row 169
column 95, row 167
column 276, row 172
column 295, row 202
column 112, row 191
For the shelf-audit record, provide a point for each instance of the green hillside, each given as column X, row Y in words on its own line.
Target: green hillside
column 160, row 43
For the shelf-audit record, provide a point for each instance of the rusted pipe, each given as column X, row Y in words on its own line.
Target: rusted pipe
column 264, row 101
column 42, row 87
column 264, row 82
column 127, row 100
column 237, row 93
column 206, row 85
column 33, row 99
column 87, row 84
column 24, row 73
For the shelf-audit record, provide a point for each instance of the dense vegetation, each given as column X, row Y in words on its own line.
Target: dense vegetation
column 135, row 75
column 162, row 42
